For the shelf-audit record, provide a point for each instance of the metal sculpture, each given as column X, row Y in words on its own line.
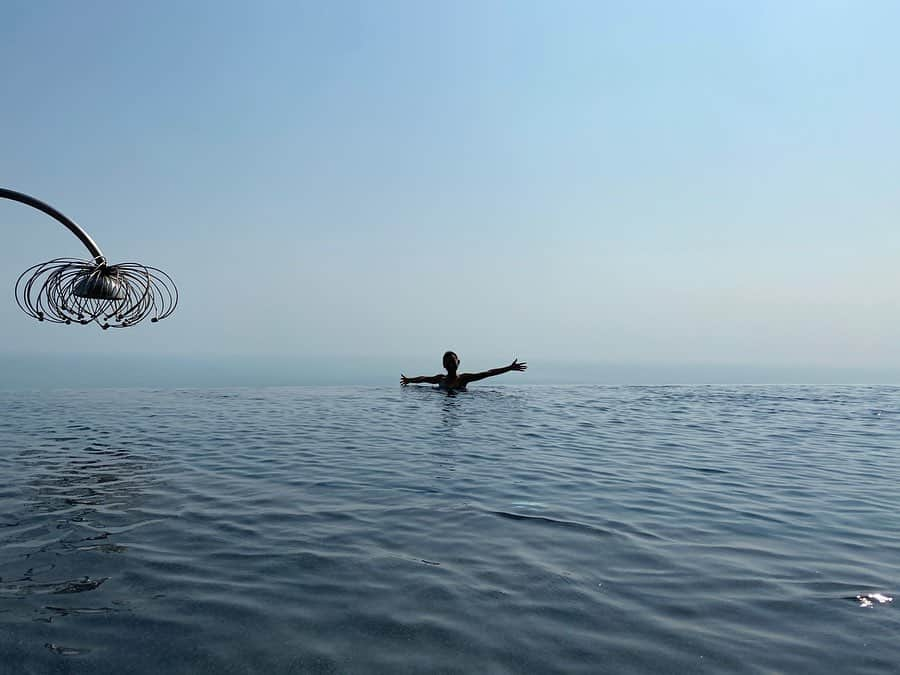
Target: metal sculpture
column 70, row 291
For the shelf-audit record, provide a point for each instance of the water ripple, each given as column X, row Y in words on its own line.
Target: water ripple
column 508, row 529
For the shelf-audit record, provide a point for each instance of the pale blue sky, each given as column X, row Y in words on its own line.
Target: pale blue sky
column 632, row 182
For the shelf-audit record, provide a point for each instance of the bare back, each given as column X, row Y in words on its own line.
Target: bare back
column 455, row 382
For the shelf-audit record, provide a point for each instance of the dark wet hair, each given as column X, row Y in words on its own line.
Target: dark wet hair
column 448, row 360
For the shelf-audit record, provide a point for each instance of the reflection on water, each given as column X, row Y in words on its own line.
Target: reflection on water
column 450, row 412
column 76, row 502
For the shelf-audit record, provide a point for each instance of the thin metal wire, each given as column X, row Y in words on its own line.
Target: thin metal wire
column 56, row 291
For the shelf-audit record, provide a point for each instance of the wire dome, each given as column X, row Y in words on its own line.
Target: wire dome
column 67, row 290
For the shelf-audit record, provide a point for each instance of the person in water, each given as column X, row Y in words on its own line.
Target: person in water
column 454, row 380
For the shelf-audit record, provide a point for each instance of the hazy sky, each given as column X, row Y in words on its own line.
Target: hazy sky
column 641, row 182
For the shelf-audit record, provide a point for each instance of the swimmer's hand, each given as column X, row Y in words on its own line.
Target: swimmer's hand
column 515, row 365
column 404, row 380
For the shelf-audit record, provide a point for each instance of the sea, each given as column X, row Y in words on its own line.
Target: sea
column 507, row 529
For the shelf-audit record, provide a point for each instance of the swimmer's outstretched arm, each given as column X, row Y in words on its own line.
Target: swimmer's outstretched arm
column 420, row 379
column 465, row 378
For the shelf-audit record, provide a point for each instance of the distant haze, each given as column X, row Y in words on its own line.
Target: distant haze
column 655, row 191
column 25, row 372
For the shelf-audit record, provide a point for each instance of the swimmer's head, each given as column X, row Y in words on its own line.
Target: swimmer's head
column 451, row 361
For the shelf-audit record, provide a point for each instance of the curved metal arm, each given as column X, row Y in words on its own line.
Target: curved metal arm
column 53, row 213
